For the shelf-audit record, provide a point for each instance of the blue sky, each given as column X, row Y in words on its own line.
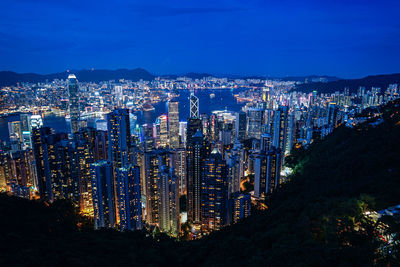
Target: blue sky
column 343, row 38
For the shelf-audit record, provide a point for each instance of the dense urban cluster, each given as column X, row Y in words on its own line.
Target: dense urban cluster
column 201, row 174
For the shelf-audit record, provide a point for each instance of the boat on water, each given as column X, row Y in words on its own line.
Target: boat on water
column 212, row 95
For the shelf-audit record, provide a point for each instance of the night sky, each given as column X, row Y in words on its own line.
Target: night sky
column 348, row 39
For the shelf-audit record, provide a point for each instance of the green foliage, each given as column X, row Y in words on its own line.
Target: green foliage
column 316, row 219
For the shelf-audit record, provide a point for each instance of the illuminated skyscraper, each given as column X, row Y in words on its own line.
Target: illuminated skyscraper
column 290, row 133
column 26, row 130
column 101, row 145
column 103, row 194
column 14, row 130
column 5, row 170
column 332, row 114
column 74, row 109
column 129, row 198
column 240, row 207
column 280, row 128
column 151, row 169
column 214, row 193
column 25, row 122
column 255, row 120
column 182, row 131
column 205, row 122
column 234, row 171
column 173, row 124
column 119, row 143
column 47, row 162
column 36, row 121
column 118, row 95
column 194, row 105
column 21, row 173
column 240, row 125
column 193, row 125
column 15, row 135
column 153, row 161
column 195, row 160
column 180, row 169
column 119, row 138
column 168, row 204
column 85, row 158
column 267, row 171
column 163, row 131
column 147, row 138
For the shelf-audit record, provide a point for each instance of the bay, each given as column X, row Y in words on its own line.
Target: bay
column 223, row 100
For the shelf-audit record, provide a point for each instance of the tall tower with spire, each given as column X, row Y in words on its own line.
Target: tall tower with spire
column 194, row 105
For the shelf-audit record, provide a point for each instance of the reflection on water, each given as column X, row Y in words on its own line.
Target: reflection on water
column 222, row 100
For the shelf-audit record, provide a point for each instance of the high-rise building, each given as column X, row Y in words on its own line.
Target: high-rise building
column 129, row 198
column 26, row 130
column 21, row 178
column 168, row 204
column 163, row 131
column 36, row 121
column 119, row 138
column 255, row 120
column 240, row 207
column 101, row 125
column 194, row 165
column 214, row 193
column 150, row 166
column 85, row 156
column 47, row 163
column 267, row 172
column 214, row 127
column 180, row 169
column 118, row 93
column 194, row 105
column 15, row 135
column 103, row 194
column 332, row 114
column 290, row 133
column 266, row 142
column 5, row 170
column 25, row 122
column 234, row 171
column 205, row 124
column 173, row 124
column 240, row 125
column 120, row 153
column 74, row 109
column 280, row 128
column 193, row 125
column 101, row 145
column 152, row 163
column 182, row 132
column 14, row 130
column 147, row 137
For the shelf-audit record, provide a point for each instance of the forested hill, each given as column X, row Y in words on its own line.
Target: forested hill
column 381, row 81
column 315, row 219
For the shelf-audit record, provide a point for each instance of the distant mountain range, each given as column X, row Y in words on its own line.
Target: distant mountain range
column 324, row 84
column 11, row 78
column 310, row 78
column 353, row 84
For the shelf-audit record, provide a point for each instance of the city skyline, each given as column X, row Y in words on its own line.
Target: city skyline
column 200, row 133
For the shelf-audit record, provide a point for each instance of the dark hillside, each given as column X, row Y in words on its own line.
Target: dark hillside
column 315, row 219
